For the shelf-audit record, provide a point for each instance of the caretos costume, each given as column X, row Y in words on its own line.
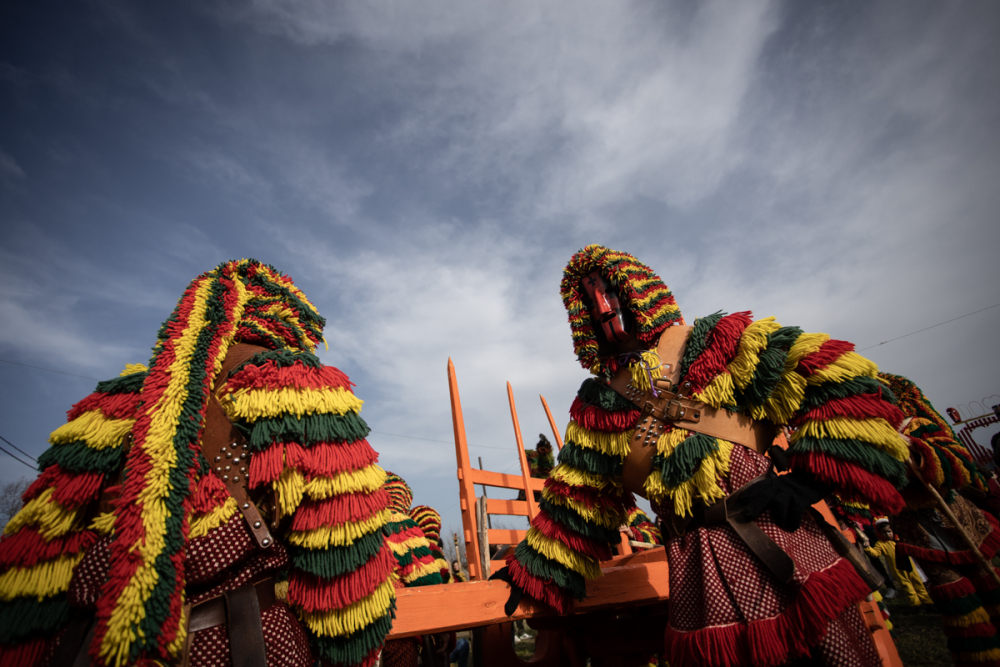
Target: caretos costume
column 681, row 415
column 967, row 597
column 181, row 491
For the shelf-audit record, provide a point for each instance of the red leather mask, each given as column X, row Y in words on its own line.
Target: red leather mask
column 605, row 308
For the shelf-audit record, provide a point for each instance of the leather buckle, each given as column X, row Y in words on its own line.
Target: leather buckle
column 674, row 410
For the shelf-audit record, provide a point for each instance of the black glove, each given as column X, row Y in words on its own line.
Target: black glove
column 787, row 496
column 516, row 592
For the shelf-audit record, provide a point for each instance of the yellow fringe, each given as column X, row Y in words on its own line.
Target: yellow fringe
column 876, row 432
column 567, row 474
column 406, row 546
column 600, row 516
column 131, row 369
column 354, row 617
column 670, row 440
column 972, row 618
column 640, row 376
column 336, row 536
column 752, row 343
column 614, row 444
column 364, row 480
column 281, row 590
column 963, row 657
column 39, row 581
column 255, row 404
column 786, row 398
column 848, row 365
column 704, row 483
column 421, row 570
column 49, row 517
column 103, row 523
column 204, row 523
column 174, row 647
column 93, row 428
column 655, row 490
column 804, row 345
column 289, row 488
column 166, row 413
column 559, row 552
column 719, row 392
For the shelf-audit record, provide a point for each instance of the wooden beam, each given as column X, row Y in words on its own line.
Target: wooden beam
column 466, row 487
column 552, row 422
column 525, row 469
column 503, row 480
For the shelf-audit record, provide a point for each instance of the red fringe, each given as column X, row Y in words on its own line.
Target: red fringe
column 853, row 482
column 267, row 466
column 952, row 591
column 590, row 497
column 325, row 459
column 594, row 418
column 269, row 376
column 584, row 545
column 313, row 593
column 864, row 406
column 25, row 654
column 538, row 589
column 414, row 564
column 209, row 494
column 988, row 548
column 404, row 535
column 776, row 640
column 114, row 406
column 27, row 547
column 71, row 489
column 984, row 583
column 827, row 353
column 722, row 343
column 312, row 514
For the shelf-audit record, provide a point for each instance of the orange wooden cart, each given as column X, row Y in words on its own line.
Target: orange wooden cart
column 622, row 620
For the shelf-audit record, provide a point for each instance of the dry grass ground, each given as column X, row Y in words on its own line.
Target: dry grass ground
column 918, row 636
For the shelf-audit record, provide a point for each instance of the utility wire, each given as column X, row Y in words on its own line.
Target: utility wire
column 930, row 327
column 17, row 459
column 85, row 377
column 444, row 442
column 17, row 448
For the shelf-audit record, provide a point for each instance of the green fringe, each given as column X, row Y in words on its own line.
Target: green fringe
column 697, row 340
column 129, row 384
column 925, row 430
column 556, row 572
column 393, row 527
column 307, row 430
column 591, row 460
column 603, row 397
column 335, row 561
column 352, row 649
column 973, row 644
column 871, row 459
column 282, row 358
column 432, row 579
column 770, row 367
column 77, row 457
column 819, row 395
column 308, row 317
column 680, row 466
column 22, row 617
column 959, row 606
column 570, row 519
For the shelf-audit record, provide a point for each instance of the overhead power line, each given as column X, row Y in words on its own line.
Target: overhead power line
column 443, row 442
column 17, row 459
column 17, row 448
column 930, row 327
column 51, row 370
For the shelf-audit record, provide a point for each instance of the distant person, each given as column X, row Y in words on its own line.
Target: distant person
column 909, row 585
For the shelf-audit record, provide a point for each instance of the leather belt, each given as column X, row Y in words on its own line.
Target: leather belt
column 672, row 406
column 212, row 612
column 729, row 511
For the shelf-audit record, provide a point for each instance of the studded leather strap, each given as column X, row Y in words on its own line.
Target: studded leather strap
column 225, row 448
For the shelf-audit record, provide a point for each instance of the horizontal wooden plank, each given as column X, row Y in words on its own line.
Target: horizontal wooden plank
column 503, row 480
column 628, row 580
column 505, row 535
column 507, row 507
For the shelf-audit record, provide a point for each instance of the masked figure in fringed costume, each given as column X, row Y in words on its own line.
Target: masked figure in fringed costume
column 967, row 597
column 641, row 529
column 179, row 491
column 681, row 415
column 415, row 564
column 430, row 522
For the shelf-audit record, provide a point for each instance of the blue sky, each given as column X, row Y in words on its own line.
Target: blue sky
column 425, row 170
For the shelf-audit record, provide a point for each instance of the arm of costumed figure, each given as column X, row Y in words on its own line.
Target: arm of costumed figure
column 307, row 440
column 583, row 502
column 43, row 542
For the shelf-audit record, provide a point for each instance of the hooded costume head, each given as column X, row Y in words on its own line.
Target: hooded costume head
column 647, row 303
column 400, row 495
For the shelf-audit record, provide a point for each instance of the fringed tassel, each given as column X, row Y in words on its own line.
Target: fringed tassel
column 27, row 547
column 315, row 594
column 594, row 418
column 24, row 654
column 538, row 589
column 824, row 596
column 113, row 406
column 326, row 459
column 349, row 507
column 853, row 482
column 584, row 545
column 828, row 353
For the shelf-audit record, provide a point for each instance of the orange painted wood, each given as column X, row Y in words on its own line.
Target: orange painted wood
column 503, row 480
column 630, row 580
column 880, row 634
column 552, row 422
column 525, row 468
column 507, row 507
column 505, row 535
column 466, row 488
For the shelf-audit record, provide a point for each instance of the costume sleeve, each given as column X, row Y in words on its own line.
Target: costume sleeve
column 582, row 502
column 307, row 440
column 45, row 540
column 415, row 562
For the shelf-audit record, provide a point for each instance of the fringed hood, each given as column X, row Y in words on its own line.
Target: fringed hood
column 140, row 609
column 640, row 291
column 400, row 495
